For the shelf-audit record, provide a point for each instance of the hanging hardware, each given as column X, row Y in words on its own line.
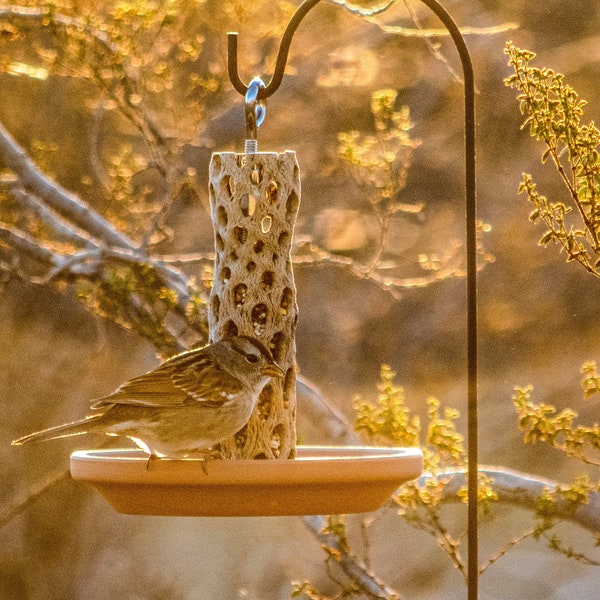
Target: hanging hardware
column 256, row 111
column 282, row 55
column 471, row 240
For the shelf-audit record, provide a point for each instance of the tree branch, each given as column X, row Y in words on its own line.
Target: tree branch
column 61, row 228
column 352, row 566
column 34, row 492
column 451, row 266
column 51, row 201
column 434, row 33
column 317, row 409
column 523, row 490
column 25, row 245
column 68, row 205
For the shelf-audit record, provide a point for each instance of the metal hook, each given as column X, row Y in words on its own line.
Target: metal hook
column 256, row 111
column 282, row 54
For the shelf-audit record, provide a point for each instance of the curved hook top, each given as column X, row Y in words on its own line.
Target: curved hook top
column 292, row 26
column 282, row 54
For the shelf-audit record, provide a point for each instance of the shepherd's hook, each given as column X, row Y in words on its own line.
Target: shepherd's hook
column 282, row 55
column 471, row 235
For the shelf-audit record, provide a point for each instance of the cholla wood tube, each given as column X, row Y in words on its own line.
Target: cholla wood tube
column 254, row 201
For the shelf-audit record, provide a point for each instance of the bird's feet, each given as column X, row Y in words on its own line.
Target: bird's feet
column 152, row 460
column 207, row 456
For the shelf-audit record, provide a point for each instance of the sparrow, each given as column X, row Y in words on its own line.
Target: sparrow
column 188, row 404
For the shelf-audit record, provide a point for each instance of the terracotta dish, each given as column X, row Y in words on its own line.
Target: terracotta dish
column 321, row 480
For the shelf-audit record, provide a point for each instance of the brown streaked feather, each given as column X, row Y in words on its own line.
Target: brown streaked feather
column 206, row 384
column 180, row 381
column 153, row 390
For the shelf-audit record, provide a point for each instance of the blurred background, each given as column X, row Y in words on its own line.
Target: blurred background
column 537, row 314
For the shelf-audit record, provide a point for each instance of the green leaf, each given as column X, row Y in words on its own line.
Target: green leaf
column 546, row 155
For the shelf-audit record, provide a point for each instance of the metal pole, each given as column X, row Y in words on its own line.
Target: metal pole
column 472, row 355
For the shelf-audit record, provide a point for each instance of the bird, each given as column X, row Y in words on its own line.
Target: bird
column 186, row 405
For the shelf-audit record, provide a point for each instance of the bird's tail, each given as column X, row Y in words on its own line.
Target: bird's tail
column 60, row 431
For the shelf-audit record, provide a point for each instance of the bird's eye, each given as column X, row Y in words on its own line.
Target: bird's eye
column 252, row 358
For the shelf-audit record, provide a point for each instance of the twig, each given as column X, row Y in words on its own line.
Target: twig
column 431, row 32
column 38, row 489
column 29, row 247
column 503, row 551
column 182, row 260
column 555, row 544
column 434, row 48
column 313, row 404
column 453, row 265
column 353, row 567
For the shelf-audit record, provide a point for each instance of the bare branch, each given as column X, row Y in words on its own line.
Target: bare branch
column 523, row 490
column 61, row 229
column 431, row 32
column 451, row 266
column 27, row 246
column 68, row 205
column 315, row 406
column 181, row 260
column 352, row 566
column 503, row 551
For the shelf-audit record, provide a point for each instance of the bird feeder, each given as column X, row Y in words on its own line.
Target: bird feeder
column 254, row 200
column 255, row 197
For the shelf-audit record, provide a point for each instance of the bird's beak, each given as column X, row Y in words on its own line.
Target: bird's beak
column 273, row 370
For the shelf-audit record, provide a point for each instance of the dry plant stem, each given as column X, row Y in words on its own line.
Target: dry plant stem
column 34, row 492
column 449, row 545
column 434, row 48
column 557, row 546
column 254, row 202
column 570, row 184
column 353, row 567
column 503, row 551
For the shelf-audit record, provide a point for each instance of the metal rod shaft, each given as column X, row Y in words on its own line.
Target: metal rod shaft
column 472, row 354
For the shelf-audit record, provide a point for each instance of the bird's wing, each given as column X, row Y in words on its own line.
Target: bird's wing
column 189, row 378
column 205, row 381
column 153, row 389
